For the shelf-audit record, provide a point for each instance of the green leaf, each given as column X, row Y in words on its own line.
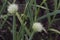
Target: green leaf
column 54, row 30
column 45, row 16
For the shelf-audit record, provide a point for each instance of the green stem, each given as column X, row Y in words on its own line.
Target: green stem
column 22, row 28
column 14, row 28
column 4, row 5
column 5, row 19
column 36, row 13
column 55, row 1
column 14, row 1
column 48, row 16
column 32, row 35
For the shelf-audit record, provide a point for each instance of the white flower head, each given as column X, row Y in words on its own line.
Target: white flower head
column 12, row 8
column 38, row 27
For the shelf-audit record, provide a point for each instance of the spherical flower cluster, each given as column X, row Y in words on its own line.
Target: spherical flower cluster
column 12, row 8
column 37, row 27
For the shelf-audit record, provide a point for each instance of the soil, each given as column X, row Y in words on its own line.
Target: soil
column 5, row 33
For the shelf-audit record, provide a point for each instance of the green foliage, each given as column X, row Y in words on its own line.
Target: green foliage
column 32, row 15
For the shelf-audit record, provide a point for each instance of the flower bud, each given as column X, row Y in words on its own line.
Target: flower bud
column 12, row 8
column 38, row 27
